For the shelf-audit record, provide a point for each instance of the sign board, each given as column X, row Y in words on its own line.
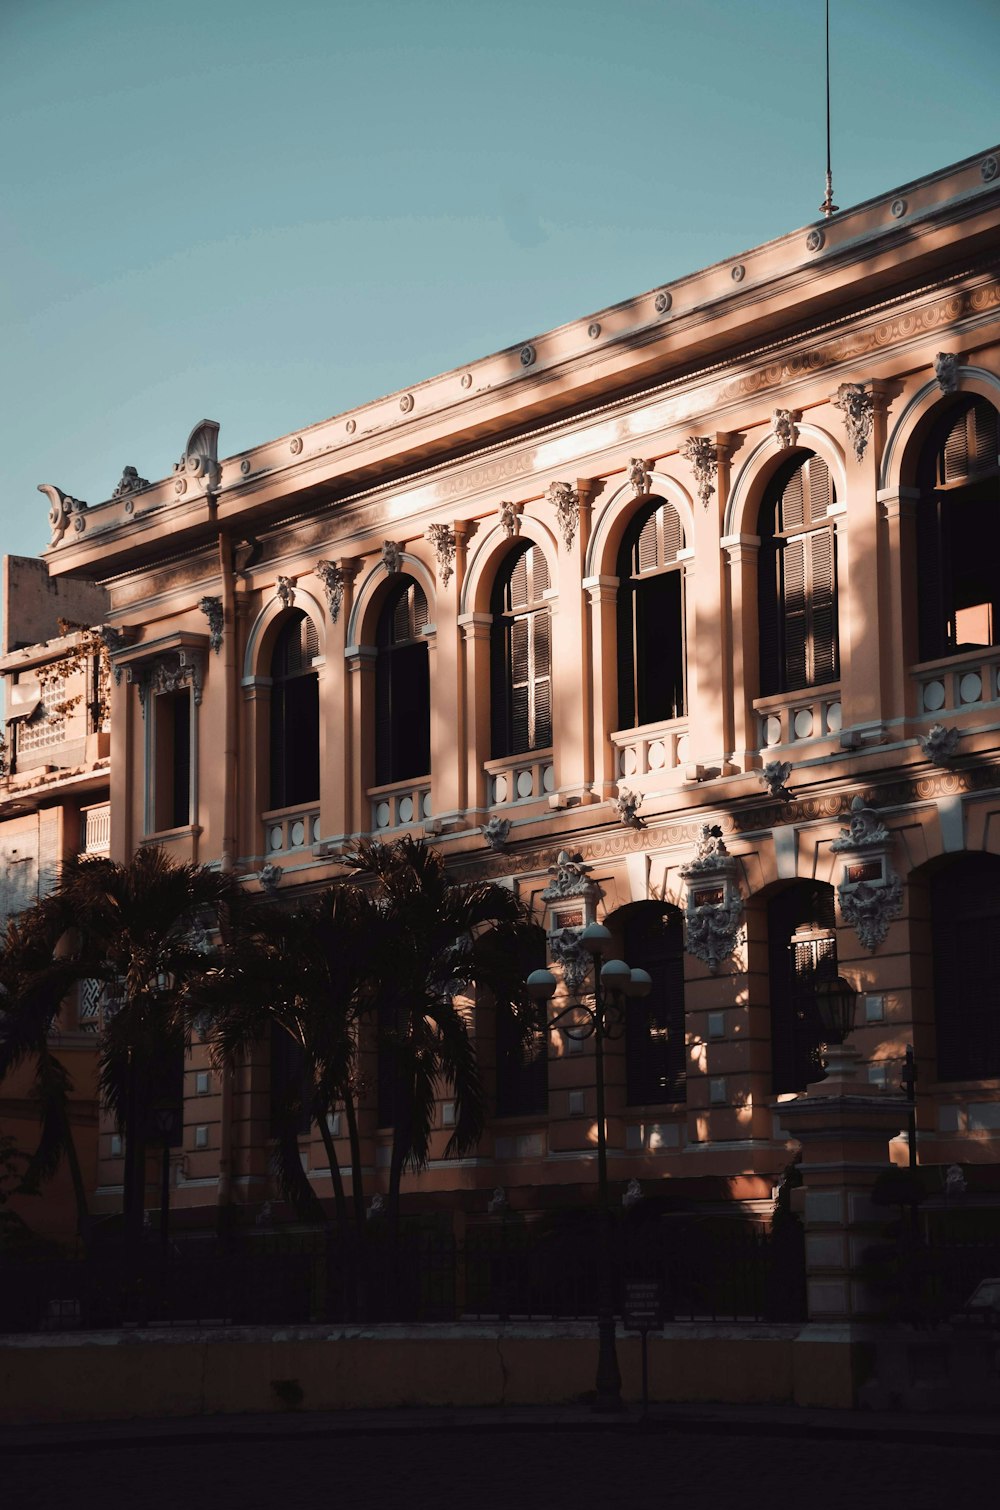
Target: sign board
column 643, row 1308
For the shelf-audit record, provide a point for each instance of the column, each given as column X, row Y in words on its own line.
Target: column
column 572, row 680
column 360, row 660
column 603, row 595
column 741, row 578
column 865, row 651
column 899, row 580
column 335, row 724
column 476, row 629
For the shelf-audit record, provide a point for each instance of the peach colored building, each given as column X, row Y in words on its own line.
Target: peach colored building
column 53, row 804
column 701, row 590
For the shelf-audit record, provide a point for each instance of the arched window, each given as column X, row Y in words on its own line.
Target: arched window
column 958, row 532
column 294, row 713
column 402, row 687
column 965, row 940
column 655, row 1053
column 802, row 947
column 651, row 661
column 521, row 655
column 797, row 581
column 522, row 1068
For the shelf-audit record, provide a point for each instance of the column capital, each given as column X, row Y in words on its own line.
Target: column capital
column 740, row 547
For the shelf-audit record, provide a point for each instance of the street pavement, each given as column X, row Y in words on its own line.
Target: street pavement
column 506, row 1460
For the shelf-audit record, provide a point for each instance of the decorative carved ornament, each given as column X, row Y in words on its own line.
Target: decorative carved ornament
column 566, row 951
column 61, row 508
column 567, row 505
column 269, row 877
column 212, row 609
column 703, row 456
column 714, row 904
column 496, row 832
column 857, row 405
column 392, row 556
column 940, row 744
column 774, row 775
column 201, row 454
column 442, row 538
column 510, row 518
column 870, row 893
column 112, row 639
column 130, row 482
column 627, row 805
column 946, row 371
column 570, row 878
column 333, row 579
column 284, row 589
column 640, row 475
column 168, row 673
column 784, row 429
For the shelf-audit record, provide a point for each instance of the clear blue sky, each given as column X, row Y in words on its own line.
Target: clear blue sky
column 264, row 213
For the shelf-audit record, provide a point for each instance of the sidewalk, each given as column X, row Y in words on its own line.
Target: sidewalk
column 979, row 1430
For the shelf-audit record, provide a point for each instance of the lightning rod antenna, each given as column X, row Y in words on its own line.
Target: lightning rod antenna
column 828, row 207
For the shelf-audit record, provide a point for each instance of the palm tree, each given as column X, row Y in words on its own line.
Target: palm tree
column 141, row 929
column 441, row 938
column 304, row 974
column 35, row 978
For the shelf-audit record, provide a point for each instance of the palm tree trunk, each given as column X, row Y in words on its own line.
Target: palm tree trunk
column 339, row 1198
column 357, row 1176
column 79, row 1189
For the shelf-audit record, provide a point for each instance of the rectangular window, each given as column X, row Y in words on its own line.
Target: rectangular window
column 172, row 771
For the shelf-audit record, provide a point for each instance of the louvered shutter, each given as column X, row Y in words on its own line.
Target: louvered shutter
column 984, row 439
column 820, row 489
column 541, row 677
column 647, row 550
column 519, row 679
column 673, row 536
column 793, row 603
column 823, row 608
column 793, row 507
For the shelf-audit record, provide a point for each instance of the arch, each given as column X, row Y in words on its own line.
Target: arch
column 488, row 556
column 364, row 610
column 747, row 491
column 902, row 450
column 613, row 520
column 265, row 628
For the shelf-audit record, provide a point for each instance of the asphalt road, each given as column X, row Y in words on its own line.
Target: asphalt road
column 470, row 1469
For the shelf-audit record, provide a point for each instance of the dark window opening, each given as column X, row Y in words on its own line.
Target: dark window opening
column 522, row 1067
column 655, row 1051
column 294, row 714
column 797, row 579
column 521, row 656
column 391, row 1079
column 651, row 659
column 958, row 533
column 802, row 947
column 402, row 687
column 965, row 934
column 173, row 759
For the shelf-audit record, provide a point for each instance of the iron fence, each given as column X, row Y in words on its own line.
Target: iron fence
column 728, row 1270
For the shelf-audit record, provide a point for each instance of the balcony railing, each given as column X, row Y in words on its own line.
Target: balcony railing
column 519, row 778
column 652, row 748
column 959, row 681
column 96, row 836
column 795, row 717
column 401, row 804
column 291, row 828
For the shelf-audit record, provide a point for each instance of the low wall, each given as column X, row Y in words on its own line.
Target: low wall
column 187, row 1372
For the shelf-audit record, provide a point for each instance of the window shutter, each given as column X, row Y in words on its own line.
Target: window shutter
column 519, row 582
column 673, row 536
column 793, row 502
column 793, row 594
column 647, row 553
column 954, row 463
column 820, row 488
column 985, row 443
column 823, row 607
column 771, row 670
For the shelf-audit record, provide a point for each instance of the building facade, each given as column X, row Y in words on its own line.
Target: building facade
column 54, row 804
column 683, row 616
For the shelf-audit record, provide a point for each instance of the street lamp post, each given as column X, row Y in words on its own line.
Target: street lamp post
column 614, row 983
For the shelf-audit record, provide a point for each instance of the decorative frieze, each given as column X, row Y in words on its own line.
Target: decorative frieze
column 857, row 404
column 784, row 429
column 212, row 609
column 442, row 538
column 703, row 456
column 567, row 506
